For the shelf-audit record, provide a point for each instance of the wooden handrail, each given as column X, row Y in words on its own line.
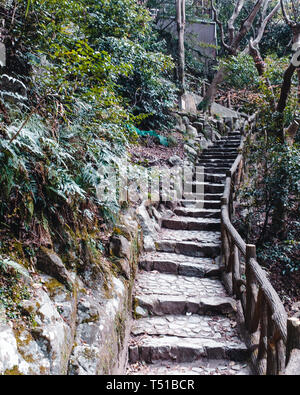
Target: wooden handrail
column 263, row 313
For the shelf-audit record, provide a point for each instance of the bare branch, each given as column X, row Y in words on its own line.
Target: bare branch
column 262, row 27
column 246, row 26
column 264, row 10
column 231, row 29
column 285, row 15
column 220, row 25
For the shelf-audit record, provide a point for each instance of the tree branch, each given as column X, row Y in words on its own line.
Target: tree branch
column 246, row 26
column 285, row 15
column 220, row 25
column 262, row 27
column 286, row 86
column 231, row 29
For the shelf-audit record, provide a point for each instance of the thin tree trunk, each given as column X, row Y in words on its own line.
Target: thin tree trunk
column 286, row 87
column 212, row 90
column 180, row 19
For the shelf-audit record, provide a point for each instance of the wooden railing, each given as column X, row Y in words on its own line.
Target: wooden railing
column 272, row 338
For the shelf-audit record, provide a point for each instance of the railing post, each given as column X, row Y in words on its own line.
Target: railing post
column 293, row 347
column 224, row 238
column 250, row 284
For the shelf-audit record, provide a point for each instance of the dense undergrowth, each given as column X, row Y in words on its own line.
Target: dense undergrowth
column 78, row 75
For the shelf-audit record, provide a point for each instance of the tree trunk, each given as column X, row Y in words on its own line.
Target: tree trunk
column 180, row 19
column 285, row 89
column 213, row 89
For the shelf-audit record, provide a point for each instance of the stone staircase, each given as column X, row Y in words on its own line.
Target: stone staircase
column 186, row 322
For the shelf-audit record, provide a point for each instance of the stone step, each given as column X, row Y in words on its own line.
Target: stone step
column 227, row 145
column 189, row 248
column 180, row 349
column 201, row 367
column 227, row 141
column 159, row 305
column 192, row 326
column 220, row 151
column 190, row 223
column 213, row 196
column 196, row 213
column 232, row 137
column 201, row 204
column 232, row 140
column 204, row 244
column 218, row 156
column 162, row 293
column 204, row 177
column 203, row 187
column 183, row 265
column 216, row 169
column 200, row 198
column 213, row 161
column 219, row 167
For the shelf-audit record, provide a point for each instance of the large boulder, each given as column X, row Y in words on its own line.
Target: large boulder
column 50, row 263
column 191, row 132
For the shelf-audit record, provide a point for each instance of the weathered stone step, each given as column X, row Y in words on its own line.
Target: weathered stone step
column 179, row 349
column 200, row 175
column 220, row 162
column 220, row 151
column 225, row 166
column 201, row 198
column 213, row 196
column 162, row 294
column 162, row 284
column 188, row 326
column 232, row 140
column 150, row 305
column 206, row 187
column 183, row 265
column 231, row 135
column 227, row 145
column 218, row 156
column 227, row 141
column 200, row 204
column 197, row 213
column 216, row 169
column 190, row 223
column 201, row 367
column 204, row 244
column 189, row 248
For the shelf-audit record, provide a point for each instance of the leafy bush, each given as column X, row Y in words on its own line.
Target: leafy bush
column 274, row 180
column 286, row 254
column 242, row 72
column 91, row 68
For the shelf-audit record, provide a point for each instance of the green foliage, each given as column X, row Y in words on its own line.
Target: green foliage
column 91, row 68
column 276, row 39
column 266, row 95
column 274, row 179
column 242, row 72
column 12, row 291
column 286, row 253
